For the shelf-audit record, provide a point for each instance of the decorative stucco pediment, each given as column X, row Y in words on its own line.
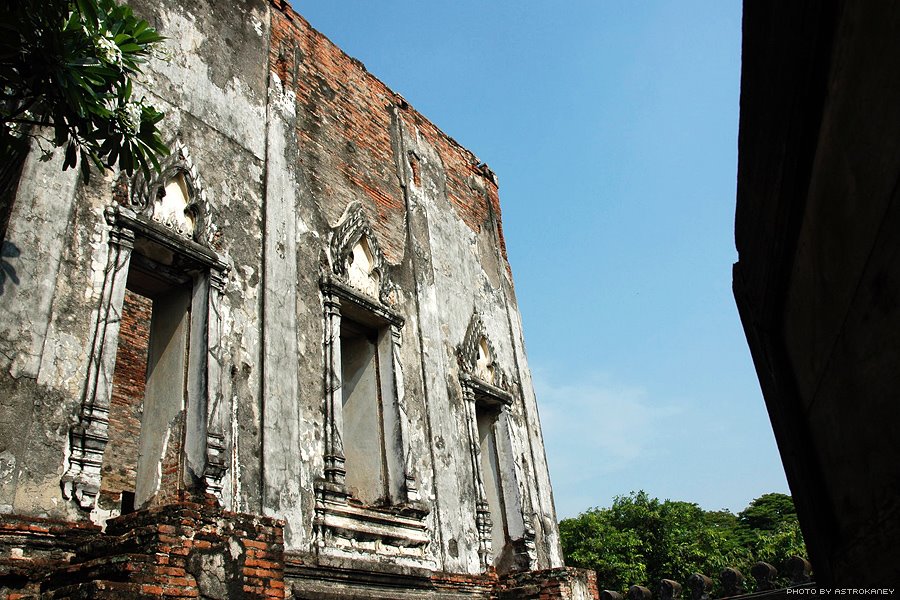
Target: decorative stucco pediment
column 175, row 198
column 477, row 358
column 355, row 255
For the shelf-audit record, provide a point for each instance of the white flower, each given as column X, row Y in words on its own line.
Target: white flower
column 130, row 117
column 109, row 51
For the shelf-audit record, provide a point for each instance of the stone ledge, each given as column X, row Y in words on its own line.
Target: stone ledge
column 328, row 578
column 366, row 524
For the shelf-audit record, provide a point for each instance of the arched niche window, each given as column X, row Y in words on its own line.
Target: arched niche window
column 361, row 268
column 506, row 538
column 173, row 206
column 368, row 491
column 484, row 363
column 150, row 425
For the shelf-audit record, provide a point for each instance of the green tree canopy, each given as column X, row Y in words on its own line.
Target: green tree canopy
column 640, row 540
column 768, row 512
column 769, row 529
column 66, row 76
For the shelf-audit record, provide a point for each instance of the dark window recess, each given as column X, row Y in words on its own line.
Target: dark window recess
column 365, row 453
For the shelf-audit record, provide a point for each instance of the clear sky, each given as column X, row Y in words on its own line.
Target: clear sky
column 612, row 126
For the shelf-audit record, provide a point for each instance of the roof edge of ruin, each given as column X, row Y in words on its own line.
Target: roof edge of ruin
column 477, row 165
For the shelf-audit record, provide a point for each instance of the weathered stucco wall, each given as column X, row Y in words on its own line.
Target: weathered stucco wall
column 213, row 89
column 216, row 84
column 297, row 149
column 434, row 209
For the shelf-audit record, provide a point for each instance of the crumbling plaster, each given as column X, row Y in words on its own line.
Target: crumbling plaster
column 463, row 273
column 61, row 263
column 280, row 169
column 216, row 77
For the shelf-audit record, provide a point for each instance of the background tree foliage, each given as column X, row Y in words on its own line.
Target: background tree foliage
column 66, row 72
column 640, row 540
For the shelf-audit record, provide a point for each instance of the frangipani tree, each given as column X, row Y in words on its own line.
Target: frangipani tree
column 66, row 77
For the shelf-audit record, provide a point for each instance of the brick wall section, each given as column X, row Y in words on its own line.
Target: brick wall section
column 476, row 207
column 32, row 547
column 345, row 580
column 183, row 550
column 344, row 132
column 477, row 585
column 551, row 584
column 343, row 127
column 125, row 407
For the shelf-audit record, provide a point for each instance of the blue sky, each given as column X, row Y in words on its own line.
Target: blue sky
column 613, row 129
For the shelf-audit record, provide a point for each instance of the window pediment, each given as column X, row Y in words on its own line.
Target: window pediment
column 477, row 362
column 174, row 198
column 355, row 256
column 172, row 206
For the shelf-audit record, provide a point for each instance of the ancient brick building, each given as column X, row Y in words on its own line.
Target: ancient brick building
column 288, row 365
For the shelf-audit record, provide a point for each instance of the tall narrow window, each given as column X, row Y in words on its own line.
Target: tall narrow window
column 146, row 425
column 367, row 459
column 500, row 515
column 119, row 472
column 147, row 429
column 367, row 434
column 486, row 418
column 165, row 397
column 485, row 405
column 366, row 449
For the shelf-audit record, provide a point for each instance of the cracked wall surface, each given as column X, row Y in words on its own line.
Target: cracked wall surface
column 297, row 145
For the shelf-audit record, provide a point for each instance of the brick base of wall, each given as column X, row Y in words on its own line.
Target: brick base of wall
column 30, row 548
column 181, row 550
column 565, row 582
column 312, row 577
column 337, row 579
column 193, row 550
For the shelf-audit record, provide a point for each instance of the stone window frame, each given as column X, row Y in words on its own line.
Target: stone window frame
column 341, row 525
column 131, row 217
column 497, row 395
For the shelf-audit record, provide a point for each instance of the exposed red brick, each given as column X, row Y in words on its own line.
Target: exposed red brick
column 129, row 381
column 148, row 553
column 344, row 128
column 549, row 584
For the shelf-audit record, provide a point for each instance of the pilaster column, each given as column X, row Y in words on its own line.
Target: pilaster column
column 88, row 438
column 483, row 521
column 334, row 402
column 409, row 478
column 216, row 464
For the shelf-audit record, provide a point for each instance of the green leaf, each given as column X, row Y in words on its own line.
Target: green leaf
column 143, row 163
column 69, row 160
column 88, row 9
column 113, row 155
column 149, row 36
column 126, row 159
column 85, row 167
